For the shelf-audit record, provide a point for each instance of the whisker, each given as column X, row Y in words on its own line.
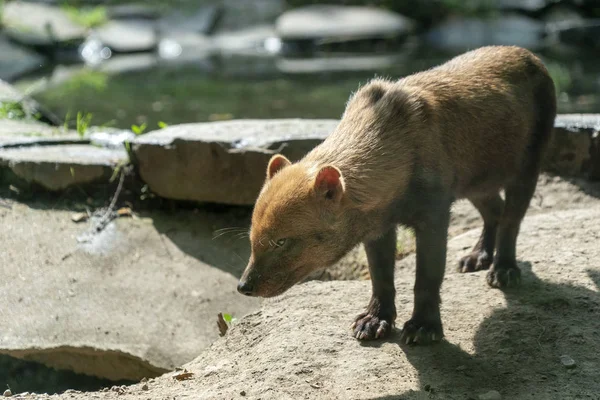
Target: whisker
column 225, row 231
column 238, row 256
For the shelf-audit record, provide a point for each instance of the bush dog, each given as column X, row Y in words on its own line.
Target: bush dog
column 401, row 154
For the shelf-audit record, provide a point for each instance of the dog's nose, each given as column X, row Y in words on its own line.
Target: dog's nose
column 245, row 288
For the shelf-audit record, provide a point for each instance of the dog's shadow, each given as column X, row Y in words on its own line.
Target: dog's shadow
column 518, row 349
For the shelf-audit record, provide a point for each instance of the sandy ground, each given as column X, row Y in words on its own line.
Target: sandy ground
column 519, row 343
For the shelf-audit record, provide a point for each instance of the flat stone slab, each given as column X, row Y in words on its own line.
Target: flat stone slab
column 574, row 149
column 128, row 36
column 38, row 24
column 330, row 21
column 221, row 162
column 224, row 162
column 57, row 167
column 15, row 133
column 135, row 300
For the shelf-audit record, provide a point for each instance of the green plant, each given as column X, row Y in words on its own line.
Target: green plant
column 12, row 110
column 139, row 129
column 87, row 17
column 162, row 125
column 229, row 319
column 83, row 122
column 87, row 79
column 118, row 169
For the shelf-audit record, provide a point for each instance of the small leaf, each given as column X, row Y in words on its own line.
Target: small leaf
column 72, row 172
column 162, row 125
column 227, row 318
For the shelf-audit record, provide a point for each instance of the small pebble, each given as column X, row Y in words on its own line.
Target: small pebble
column 145, row 386
column 567, row 362
column 491, row 395
column 7, row 393
column 243, row 393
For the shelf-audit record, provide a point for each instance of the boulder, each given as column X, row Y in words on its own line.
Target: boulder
column 129, row 36
column 464, row 33
column 578, row 34
column 221, row 162
column 37, row 24
column 126, row 302
column 322, row 22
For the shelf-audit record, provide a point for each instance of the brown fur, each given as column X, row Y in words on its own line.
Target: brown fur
column 404, row 151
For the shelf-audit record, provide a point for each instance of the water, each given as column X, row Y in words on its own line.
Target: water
column 142, row 89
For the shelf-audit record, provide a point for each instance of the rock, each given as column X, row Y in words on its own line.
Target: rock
column 36, row 24
column 60, row 166
column 127, row 36
column 133, row 11
column 294, row 65
column 145, row 386
column 222, row 162
column 15, row 133
column 531, row 6
column 461, row 33
column 250, row 40
column 567, row 361
column 563, row 14
column 133, row 301
column 301, row 340
column 241, row 15
column 335, row 22
column 184, row 47
column 16, row 61
column 578, row 34
column 201, row 21
column 491, row 395
column 574, row 148
column 7, row 393
column 110, row 138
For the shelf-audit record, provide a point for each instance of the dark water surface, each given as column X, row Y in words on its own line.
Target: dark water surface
column 138, row 89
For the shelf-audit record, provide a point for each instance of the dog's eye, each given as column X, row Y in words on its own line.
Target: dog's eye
column 280, row 242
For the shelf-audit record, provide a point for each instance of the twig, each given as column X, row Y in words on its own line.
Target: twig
column 106, row 217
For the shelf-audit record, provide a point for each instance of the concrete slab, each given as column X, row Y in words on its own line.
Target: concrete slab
column 574, row 149
column 130, row 302
column 57, row 167
column 222, row 162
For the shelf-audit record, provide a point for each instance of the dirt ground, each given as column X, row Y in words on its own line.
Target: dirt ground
column 519, row 343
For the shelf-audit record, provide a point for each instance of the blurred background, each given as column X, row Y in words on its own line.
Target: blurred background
column 146, row 63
